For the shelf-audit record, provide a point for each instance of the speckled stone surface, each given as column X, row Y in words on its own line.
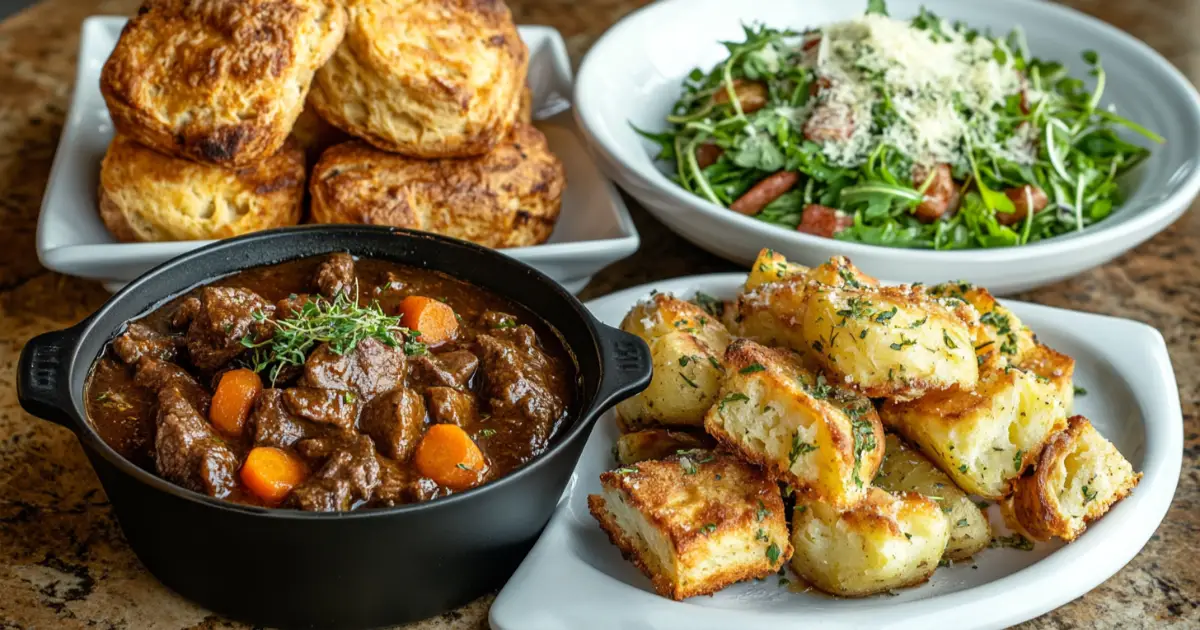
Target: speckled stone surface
column 63, row 561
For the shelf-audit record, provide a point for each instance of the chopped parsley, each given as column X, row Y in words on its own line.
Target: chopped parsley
column 1017, row 460
column 730, row 398
column 948, row 341
column 761, row 534
column 799, row 447
column 917, row 323
column 962, row 469
column 752, row 368
column 863, row 432
column 820, row 390
column 773, row 553
column 904, row 342
column 687, row 380
column 762, row 512
column 708, row 528
column 962, row 522
column 487, row 433
column 1088, row 497
column 1016, row 541
column 710, row 304
column 885, row 316
column 1079, row 391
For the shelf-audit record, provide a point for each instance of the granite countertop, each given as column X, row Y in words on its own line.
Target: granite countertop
column 63, row 560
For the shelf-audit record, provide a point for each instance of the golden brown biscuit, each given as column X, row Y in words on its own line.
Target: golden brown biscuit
column 509, row 197
column 525, row 110
column 147, row 196
column 430, row 78
column 220, row 81
column 314, row 135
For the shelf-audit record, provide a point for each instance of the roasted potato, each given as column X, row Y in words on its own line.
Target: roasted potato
column 771, row 266
column 695, row 522
column 1077, row 478
column 662, row 314
column 823, row 439
column 639, row 446
column 686, row 380
column 905, row 469
column 983, row 437
column 886, row 541
column 889, row 342
column 1003, row 336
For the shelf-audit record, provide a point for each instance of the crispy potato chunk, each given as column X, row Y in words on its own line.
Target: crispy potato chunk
column 686, row 344
column 687, row 377
column 886, row 541
column 983, row 437
column 824, row 440
column 694, row 523
column 889, row 342
column 1077, row 478
column 771, row 266
column 905, row 469
column 1001, row 333
column 639, row 446
column 663, row 314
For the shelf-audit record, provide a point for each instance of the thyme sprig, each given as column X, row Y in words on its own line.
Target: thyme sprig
column 341, row 322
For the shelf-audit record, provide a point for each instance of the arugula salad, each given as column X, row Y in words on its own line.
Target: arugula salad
column 906, row 133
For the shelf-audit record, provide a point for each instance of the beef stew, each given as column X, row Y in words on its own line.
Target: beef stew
column 313, row 385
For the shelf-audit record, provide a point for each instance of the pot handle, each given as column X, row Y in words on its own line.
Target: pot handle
column 43, row 386
column 625, row 363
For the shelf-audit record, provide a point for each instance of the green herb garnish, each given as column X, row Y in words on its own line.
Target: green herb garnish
column 341, row 323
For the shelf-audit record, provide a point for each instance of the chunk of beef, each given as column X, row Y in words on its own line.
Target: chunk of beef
column 522, row 380
column 274, row 424
column 349, row 474
column 187, row 451
column 451, row 406
column 139, row 340
column 289, row 306
column 217, row 320
column 396, row 422
column 336, row 275
column 371, row 368
column 158, row 376
column 335, row 407
column 449, row 369
column 399, row 485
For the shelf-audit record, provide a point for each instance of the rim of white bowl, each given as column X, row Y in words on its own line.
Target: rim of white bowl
column 1182, row 193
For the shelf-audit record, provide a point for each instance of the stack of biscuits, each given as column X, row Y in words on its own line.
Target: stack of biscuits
column 414, row 112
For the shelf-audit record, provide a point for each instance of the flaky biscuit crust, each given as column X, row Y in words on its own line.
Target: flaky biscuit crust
column 425, row 78
column 218, row 81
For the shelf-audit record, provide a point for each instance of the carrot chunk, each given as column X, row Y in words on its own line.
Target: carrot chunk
column 233, row 399
column 271, row 473
column 448, row 456
column 433, row 319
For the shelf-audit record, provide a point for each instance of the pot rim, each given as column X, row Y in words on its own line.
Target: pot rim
column 590, row 408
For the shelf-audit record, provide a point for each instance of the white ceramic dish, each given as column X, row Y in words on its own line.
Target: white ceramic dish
column 593, row 231
column 574, row 578
column 633, row 75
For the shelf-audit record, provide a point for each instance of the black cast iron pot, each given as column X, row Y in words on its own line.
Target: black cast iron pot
column 356, row 569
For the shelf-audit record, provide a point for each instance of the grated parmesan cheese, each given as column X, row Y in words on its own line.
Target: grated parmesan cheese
column 942, row 91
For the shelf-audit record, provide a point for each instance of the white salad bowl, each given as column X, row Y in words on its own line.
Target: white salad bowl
column 633, row 76
column 575, row 578
column 593, row 230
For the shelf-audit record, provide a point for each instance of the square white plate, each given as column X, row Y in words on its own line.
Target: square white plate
column 574, row 578
column 593, row 230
